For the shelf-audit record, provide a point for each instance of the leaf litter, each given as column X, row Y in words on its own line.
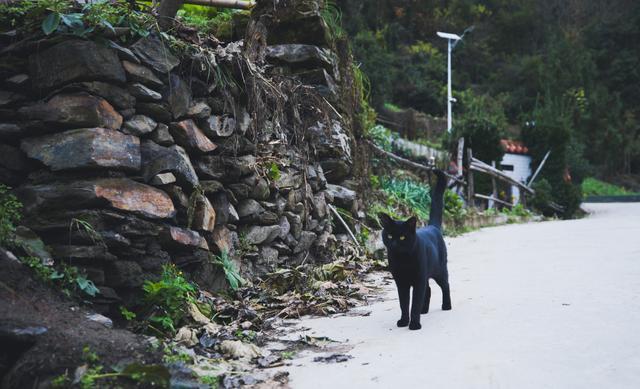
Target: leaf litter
column 248, row 333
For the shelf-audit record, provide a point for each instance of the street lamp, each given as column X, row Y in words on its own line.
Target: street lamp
column 452, row 41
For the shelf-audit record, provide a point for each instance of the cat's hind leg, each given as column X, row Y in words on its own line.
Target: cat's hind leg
column 446, row 294
column 403, row 296
column 427, row 299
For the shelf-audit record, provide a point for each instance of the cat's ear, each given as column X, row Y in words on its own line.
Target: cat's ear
column 411, row 224
column 385, row 220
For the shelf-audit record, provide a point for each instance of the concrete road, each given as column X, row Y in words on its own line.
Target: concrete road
column 541, row 305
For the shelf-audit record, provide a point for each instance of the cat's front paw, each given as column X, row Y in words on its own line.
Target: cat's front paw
column 403, row 322
column 446, row 307
column 415, row 325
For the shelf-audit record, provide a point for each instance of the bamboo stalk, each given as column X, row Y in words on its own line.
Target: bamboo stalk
column 346, row 226
column 237, row 4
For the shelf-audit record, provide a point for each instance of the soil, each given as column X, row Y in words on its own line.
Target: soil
column 31, row 360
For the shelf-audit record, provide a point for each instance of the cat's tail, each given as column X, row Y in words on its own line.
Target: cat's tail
column 437, row 199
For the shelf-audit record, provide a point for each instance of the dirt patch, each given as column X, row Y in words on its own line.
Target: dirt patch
column 43, row 333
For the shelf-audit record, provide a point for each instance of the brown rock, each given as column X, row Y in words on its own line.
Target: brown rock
column 85, row 148
column 188, row 135
column 119, row 193
column 181, row 237
column 224, row 240
column 204, row 215
column 77, row 110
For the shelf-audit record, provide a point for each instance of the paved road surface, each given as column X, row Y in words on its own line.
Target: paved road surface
column 541, row 305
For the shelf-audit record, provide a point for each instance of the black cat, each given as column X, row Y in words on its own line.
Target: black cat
column 415, row 256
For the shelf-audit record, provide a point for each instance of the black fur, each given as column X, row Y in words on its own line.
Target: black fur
column 415, row 256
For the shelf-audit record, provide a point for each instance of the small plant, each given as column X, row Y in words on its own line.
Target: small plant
column 172, row 356
column 127, row 314
column 333, row 17
column 273, row 172
column 89, row 355
column 246, row 335
column 454, row 210
column 170, row 297
column 85, row 228
column 231, row 273
column 212, row 381
column 68, row 277
column 287, row 354
column 60, row 382
column 517, row 211
column 9, row 214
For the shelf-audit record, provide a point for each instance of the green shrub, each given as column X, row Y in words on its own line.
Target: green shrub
column 9, row 214
column 570, row 197
column 413, row 195
column 595, row 187
column 382, row 137
column 62, row 16
column 454, row 209
column 170, row 298
column 542, row 197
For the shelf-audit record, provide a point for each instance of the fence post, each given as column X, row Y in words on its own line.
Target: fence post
column 494, row 193
column 470, row 187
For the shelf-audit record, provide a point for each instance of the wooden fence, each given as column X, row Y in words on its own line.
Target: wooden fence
column 475, row 166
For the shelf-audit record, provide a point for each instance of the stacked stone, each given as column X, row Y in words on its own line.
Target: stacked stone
column 124, row 163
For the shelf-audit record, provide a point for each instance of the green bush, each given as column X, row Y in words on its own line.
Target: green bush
column 382, row 137
column 542, row 197
column 595, row 187
column 454, row 209
column 9, row 214
column 411, row 194
column 570, row 197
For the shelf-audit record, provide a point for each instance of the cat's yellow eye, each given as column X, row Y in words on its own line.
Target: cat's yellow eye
column 390, row 236
column 402, row 237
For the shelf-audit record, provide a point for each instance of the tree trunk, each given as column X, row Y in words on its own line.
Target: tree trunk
column 167, row 11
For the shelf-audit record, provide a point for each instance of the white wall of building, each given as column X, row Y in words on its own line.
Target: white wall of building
column 521, row 170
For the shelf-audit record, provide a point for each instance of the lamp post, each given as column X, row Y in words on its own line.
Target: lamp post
column 452, row 41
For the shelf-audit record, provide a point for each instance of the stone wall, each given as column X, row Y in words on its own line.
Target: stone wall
column 128, row 158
